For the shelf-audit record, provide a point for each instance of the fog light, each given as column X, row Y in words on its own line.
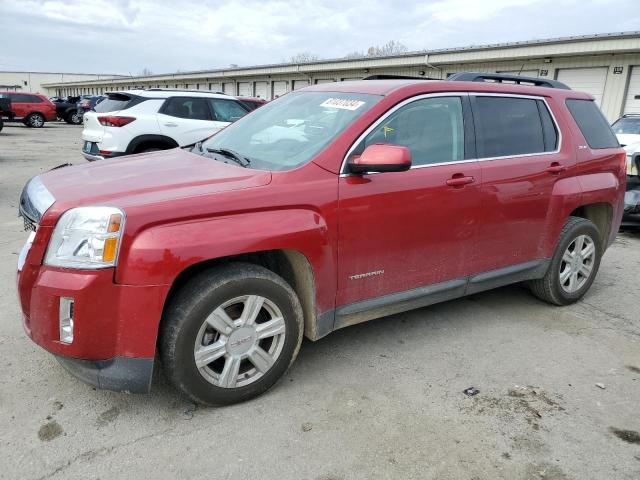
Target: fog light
column 66, row 320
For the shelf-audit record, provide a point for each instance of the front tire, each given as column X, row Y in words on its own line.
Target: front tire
column 574, row 264
column 35, row 120
column 230, row 333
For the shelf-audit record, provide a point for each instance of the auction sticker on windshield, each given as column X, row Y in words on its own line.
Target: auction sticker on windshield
column 342, row 103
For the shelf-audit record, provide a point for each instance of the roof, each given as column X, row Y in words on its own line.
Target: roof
column 159, row 93
column 419, row 86
column 281, row 68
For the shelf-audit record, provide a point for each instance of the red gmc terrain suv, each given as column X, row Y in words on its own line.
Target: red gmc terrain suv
column 330, row 206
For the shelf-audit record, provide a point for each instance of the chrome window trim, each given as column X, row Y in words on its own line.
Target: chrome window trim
column 343, row 166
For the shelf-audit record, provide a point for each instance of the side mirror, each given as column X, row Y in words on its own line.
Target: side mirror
column 381, row 158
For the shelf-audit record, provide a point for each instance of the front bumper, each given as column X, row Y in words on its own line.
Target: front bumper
column 115, row 326
column 121, row 374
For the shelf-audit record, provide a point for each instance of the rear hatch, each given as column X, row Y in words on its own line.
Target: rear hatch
column 112, row 105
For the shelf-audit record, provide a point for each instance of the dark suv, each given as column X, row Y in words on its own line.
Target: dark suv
column 330, row 206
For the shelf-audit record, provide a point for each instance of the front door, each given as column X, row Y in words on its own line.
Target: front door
column 399, row 231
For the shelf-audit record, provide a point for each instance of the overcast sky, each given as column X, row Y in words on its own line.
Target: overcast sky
column 126, row 36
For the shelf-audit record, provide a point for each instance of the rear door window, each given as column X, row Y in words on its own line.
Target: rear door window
column 17, row 98
column 227, row 110
column 187, row 107
column 511, row 126
column 592, row 124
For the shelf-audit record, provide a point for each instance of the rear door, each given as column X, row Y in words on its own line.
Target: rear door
column 399, row 231
column 187, row 119
column 19, row 104
column 519, row 149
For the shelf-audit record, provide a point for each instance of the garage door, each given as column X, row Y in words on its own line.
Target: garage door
column 244, row 89
column 229, row 88
column 590, row 80
column 300, row 84
column 325, row 80
column 279, row 88
column 632, row 102
column 262, row 90
column 351, row 78
column 215, row 87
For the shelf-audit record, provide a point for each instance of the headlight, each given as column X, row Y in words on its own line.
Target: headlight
column 86, row 237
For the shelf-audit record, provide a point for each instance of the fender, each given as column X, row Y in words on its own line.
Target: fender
column 566, row 196
column 606, row 187
column 571, row 193
column 157, row 255
column 133, row 144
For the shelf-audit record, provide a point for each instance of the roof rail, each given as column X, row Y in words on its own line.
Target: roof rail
column 396, row 77
column 190, row 90
column 502, row 77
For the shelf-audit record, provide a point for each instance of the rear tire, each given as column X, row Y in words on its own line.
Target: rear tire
column 574, row 264
column 35, row 120
column 230, row 333
column 74, row 118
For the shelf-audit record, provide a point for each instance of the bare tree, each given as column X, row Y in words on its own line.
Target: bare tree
column 304, row 57
column 354, row 55
column 146, row 72
column 393, row 47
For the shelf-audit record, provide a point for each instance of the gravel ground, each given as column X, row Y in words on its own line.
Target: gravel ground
column 559, row 387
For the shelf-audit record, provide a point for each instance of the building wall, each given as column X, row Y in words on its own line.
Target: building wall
column 33, row 81
column 617, row 53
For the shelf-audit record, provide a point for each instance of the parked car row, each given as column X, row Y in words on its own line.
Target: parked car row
column 34, row 109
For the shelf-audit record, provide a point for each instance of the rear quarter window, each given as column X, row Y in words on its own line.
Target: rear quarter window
column 592, row 124
column 115, row 102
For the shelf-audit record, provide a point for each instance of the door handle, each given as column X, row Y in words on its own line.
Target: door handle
column 556, row 168
column 170, row 124
column 459, row 180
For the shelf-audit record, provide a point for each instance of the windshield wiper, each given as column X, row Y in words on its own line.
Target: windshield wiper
column 232, row 154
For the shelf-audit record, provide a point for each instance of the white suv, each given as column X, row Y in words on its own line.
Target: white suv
column 139, row 121
column 627, row 129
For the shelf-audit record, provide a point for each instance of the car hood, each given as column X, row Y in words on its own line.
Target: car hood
column 145, row 179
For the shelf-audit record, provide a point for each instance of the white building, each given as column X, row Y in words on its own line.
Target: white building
column 605, row 65
column 33, row 81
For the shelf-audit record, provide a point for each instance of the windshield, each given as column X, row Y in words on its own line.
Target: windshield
column 291, row 130
column 627, row 126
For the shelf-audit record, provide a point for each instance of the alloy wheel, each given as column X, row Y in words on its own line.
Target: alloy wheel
column 577, row 263
column 239, row 341
column 36, row 121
